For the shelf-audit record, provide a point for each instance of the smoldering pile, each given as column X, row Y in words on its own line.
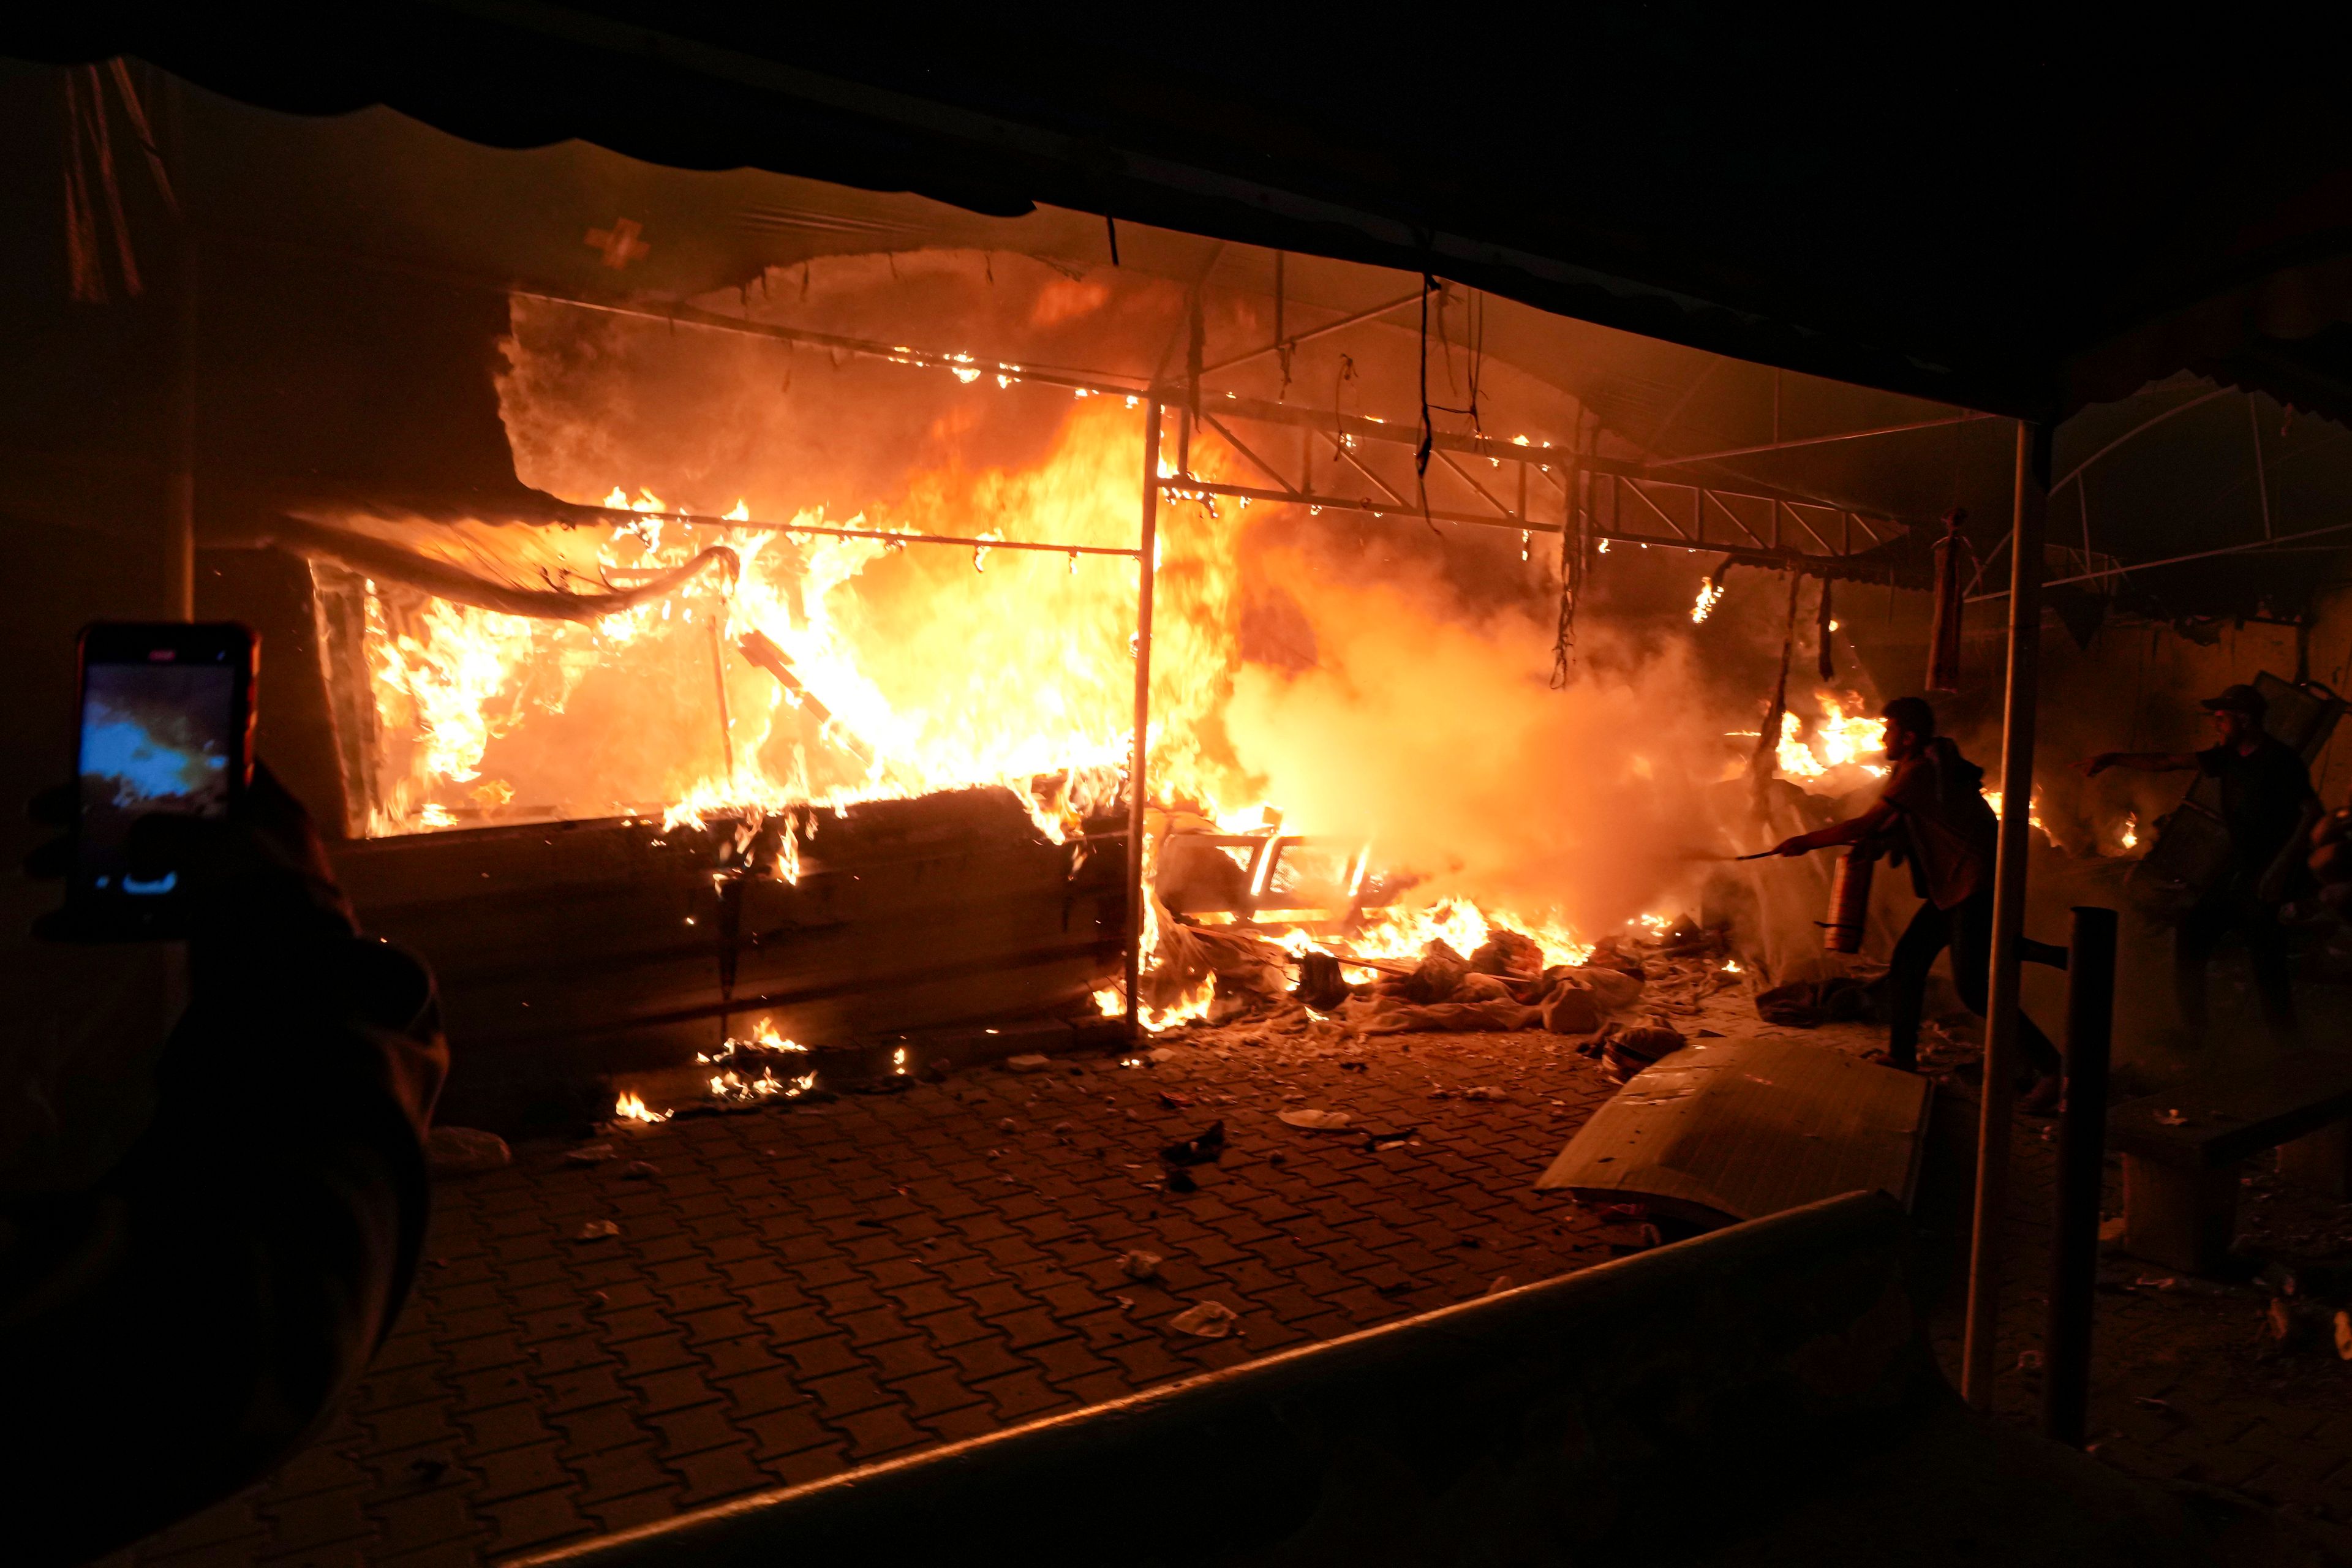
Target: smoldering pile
column 1502, row 985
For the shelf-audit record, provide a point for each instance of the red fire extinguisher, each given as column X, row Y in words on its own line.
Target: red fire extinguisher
column 1850, row 899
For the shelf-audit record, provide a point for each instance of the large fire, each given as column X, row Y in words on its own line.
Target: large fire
column 825, row 669
column 1844, row 736
column 831, row 669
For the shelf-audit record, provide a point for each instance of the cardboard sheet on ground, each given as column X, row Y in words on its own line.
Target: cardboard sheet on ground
column 1733, row 1130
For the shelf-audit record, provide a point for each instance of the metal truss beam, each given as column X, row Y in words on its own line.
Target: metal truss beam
column 1846, row 567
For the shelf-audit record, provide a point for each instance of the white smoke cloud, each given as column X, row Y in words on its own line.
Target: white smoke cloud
column 1430, row 728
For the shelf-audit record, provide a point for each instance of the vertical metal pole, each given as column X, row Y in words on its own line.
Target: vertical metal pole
column 2081, row 1146
column 2083, row 500
column 2008, row 925
column 2262, row 478
column 1136, row 792
column 1281, row 348
column 180, row 495
column 178, row 533
column 726, row 719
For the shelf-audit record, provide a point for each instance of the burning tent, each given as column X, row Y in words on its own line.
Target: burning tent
column 714, row 599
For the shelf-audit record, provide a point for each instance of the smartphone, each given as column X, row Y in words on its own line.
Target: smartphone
column 166, row 726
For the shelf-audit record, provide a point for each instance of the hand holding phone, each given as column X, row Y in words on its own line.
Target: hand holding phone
column 166, row 732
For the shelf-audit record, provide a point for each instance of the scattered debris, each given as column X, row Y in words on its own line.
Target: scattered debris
column 1031, row 1062
column 1316, row 1120
column 1320, row 984
column 1142, row 1265
column 1509, row 956
column 1485, row 1091
column 2187, row 1285
column 2150, row 1402
column 1205, row 1320
column 1611, row 989
column 596, row 1230
column 640, row 1171
column 1624, row 1049
column 465, row 1151
column 2290, row 1325
column 2171, row 1119
column 1572, row 1009
column 1502, row 1282
column 1171, row 1100
column 1006, row 1125
column 1439, row 976
column 590, row 1154
column 1201, row 1149
column 1609, row 952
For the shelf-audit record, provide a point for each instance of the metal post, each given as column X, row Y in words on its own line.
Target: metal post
column 726, row 717
column 1136, row 793
column 2008, row 925
column 2081, row 1146
column 180, row 482
column 2262, row 479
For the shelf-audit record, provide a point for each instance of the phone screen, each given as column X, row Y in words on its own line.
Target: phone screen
column 163, row 726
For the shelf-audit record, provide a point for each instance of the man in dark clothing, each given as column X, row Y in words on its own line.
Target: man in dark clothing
column 175, row 1332
column 2268, row 807
column 1933, row 813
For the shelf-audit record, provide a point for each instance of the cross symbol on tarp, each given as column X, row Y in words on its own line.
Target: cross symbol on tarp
column 619, row 243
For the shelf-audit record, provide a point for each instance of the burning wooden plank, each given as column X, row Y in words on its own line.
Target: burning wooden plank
column 762, row 651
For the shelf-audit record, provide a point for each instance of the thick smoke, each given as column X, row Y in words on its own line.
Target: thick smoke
column 1427, row 725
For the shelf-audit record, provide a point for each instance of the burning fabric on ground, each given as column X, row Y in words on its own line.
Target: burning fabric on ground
column 766, row 1066
column 1503, row 984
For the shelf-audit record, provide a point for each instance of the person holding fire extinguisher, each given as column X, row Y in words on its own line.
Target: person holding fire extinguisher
column 1933, row 814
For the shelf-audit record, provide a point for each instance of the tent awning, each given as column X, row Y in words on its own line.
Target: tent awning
column 2019, row 219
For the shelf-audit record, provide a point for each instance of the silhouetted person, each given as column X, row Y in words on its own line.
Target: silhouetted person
column 172, row 1332
column 2269, row 808
column 1934, row 815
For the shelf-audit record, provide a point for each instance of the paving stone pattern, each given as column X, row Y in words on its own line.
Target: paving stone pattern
column 2186, row 1386
column 794, row 1292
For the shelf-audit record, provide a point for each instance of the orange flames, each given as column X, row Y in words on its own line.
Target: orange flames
column 913, row 669
column 830, row 670
column 1845, row 735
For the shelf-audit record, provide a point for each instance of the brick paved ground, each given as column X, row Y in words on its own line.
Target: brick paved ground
column 2186, row 1386
column 794, row 1292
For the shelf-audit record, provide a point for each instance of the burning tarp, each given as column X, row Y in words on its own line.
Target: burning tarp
column 1503, row 984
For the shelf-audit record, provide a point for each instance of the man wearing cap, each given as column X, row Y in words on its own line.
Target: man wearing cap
column 2268, row 807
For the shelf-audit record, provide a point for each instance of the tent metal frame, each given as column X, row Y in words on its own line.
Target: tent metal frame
column 1767, row 526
